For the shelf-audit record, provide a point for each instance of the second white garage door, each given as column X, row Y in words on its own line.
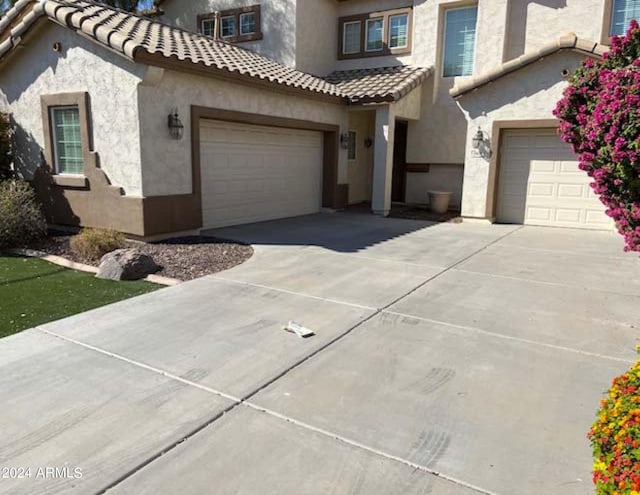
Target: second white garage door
column 255, row 173
column 540, row 183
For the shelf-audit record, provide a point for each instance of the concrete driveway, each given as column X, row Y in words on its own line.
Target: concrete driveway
column 448, row 360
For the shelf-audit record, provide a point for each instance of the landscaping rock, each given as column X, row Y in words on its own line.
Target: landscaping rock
column 126, row 264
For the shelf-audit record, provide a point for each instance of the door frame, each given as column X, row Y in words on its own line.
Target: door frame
column 497, row 132
column 334, row 195
column 401, row 166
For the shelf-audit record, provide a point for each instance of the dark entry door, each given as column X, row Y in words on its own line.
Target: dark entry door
column 399, row 163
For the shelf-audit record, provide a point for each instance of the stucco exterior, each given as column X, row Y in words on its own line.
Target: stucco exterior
column 278, row 23
column 111, row 81
column 531, row 24
column 438, row 133
column 167, row 162
column 316, row 36
column 130, row 102
column 525, row 98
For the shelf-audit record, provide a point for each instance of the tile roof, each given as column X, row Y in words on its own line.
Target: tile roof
column 380, row 84
column 148, row 41
column 151, row 42
column 567, row 42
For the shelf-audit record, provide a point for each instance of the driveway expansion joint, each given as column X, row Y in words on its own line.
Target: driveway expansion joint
column 236, row 402
column 293, row 293
column 244, row 401
column 513, row 339
column 543, row 282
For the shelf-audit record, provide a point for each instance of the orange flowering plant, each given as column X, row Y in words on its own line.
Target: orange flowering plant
column 615, row 437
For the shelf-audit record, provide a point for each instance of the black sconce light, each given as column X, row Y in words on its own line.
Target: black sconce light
column 368, row 142
column 176, row 128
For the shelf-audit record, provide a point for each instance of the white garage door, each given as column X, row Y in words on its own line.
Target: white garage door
column 540, row 183
column 255, row 173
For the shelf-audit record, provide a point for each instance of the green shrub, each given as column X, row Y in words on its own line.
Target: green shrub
column 93, row 244
column 21, row 219
column 5, row 148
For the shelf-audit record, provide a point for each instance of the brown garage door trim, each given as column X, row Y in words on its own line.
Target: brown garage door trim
column 334, row 195
column 497, row 133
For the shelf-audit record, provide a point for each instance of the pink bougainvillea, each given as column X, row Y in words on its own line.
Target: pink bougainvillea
column 599, row 116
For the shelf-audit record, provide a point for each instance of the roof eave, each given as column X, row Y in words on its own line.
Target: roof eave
column 564, row 43
column 174, row 63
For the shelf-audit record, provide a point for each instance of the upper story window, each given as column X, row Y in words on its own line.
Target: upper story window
column 622, row 13
column 459, row 41
column 208, row 27
column 228, row 26
column 235, row 25
column 399, row 31
column 375, row 34
column 351, row 37
column 247, row 23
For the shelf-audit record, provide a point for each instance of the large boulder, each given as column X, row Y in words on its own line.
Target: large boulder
column 126, row 264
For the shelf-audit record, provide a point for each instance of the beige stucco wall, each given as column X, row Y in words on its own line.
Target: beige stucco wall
column 440, row 177
column 278, row 23
column 506, row 28
column 438, row 135
column 532, row 24
column 35, row 69
column 526, row 95
column 316, row 36
column 167, row 162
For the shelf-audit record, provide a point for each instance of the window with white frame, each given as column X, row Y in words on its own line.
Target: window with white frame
column 232, row 25
column 352, row 32
column 208, row 27
column 228, row 26
column 622, row 13
column 374, row 35
column 399, row 31
column 352, row 150
column 67, row 140
column 459, row 41
column 247, row 23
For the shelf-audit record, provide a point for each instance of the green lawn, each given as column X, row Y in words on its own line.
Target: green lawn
column 33, row 292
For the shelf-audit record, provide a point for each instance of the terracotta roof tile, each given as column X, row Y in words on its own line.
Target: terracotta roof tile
column 148, row 41
column 133, row 36
column 379, row 84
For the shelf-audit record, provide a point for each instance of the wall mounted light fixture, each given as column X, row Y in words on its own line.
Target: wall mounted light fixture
column 368, row 142
column 478, row 139
column 481, row 143
column 176, row 128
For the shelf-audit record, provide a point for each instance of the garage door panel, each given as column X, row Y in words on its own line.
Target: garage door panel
column 257, row 173
column 595, row 217
column 540, row 184
column 571, row 191
column 542, row 190
column 541, row 166
column 540, row 214
column 568, row 215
